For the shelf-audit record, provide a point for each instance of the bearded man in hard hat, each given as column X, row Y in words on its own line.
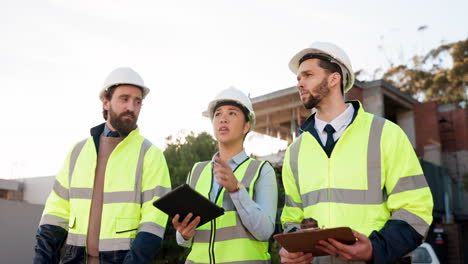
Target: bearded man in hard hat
column 101, row 202
column 351, row 168
column 246, row 188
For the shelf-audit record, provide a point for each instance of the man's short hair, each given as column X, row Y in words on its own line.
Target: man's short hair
column 325, row 62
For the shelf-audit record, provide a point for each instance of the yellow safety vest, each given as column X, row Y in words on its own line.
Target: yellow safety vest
column 225, row 239
column 136, row 175
column 372, row 175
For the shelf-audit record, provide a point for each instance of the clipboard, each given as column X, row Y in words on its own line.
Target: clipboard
column 184, row 200
column 305, row 240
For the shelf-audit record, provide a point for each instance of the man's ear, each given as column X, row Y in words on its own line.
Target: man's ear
column 105, row 104
column 334, row 79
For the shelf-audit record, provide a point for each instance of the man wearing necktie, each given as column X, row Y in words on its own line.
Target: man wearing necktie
column 101, row 202
column 351, row 168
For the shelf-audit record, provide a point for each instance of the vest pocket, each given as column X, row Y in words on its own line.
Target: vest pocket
column 126, row 225
column 71, row 222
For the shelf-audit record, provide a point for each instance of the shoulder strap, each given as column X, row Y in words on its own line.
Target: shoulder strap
column 196, row 172
column 73, row 158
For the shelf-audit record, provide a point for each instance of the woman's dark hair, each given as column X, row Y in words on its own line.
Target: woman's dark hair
column 233, row 103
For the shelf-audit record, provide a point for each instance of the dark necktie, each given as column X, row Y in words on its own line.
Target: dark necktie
column 330, row 142
column 113, row 134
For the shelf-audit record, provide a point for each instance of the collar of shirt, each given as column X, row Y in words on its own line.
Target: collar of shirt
column 107, row 130
column 234, row 161
column 339, row 123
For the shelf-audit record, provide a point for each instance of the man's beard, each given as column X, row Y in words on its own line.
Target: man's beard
column 123, row 126
column 322, row 91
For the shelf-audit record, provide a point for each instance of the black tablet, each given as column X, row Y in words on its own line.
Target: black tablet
column 184, row 200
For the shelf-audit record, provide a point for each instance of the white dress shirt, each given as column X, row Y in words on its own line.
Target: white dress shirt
column 340, row 123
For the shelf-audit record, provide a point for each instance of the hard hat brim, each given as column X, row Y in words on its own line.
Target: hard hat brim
column 294, row 64
column 211, row 107
column 145, row 90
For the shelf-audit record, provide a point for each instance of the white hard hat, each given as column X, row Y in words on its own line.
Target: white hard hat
column 235, row 95
column 124, row 75
column 335, row 53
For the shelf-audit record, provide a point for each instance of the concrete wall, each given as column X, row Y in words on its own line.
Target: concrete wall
column 373, row 100
column 456, row 162
column 18, row 225
column 406, row 121
column 11, row 190
column 36, row 190
column 11, row 185
column 432, row 153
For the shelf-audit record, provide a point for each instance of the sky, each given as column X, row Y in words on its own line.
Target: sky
column 55, row 55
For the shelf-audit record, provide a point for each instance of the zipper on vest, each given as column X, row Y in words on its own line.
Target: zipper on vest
column 212, row 222
column 212, row 242
column 329, row 191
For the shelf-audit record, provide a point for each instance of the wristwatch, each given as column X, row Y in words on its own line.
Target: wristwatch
column 238, row 187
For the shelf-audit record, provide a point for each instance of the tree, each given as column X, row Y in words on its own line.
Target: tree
column 432, row 77
column 181, row 153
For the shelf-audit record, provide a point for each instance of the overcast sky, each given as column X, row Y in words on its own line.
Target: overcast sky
column 55, row 55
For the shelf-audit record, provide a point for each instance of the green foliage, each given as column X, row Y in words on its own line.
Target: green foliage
column 429, row 78
column 181, row 154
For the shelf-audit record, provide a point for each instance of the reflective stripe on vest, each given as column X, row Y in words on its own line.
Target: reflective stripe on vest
column 104, row 244
column 375, row 196
column 136, row 197
column 215, row 241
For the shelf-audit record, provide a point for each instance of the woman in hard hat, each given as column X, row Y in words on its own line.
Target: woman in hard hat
column 244, row 187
